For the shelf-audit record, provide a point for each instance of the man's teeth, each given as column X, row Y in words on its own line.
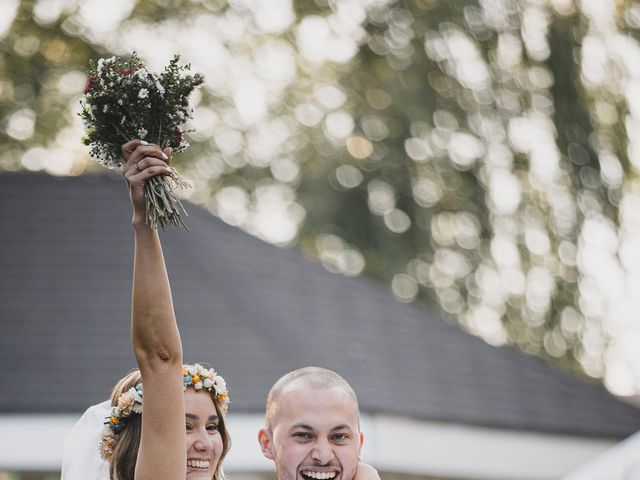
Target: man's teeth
column 198, row 463
column 319, row 475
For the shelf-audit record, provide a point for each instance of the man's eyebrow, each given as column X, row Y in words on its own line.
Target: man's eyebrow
column 344, row 426
column 304, row 426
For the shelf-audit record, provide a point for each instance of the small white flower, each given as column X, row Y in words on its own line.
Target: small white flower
column 198, row 386
column 142, row 133
column 105, row 109
column 143, row 93
column 208, row 383
column 221, row 385
column 120, row 102
column 159, row 87
column 135, row 394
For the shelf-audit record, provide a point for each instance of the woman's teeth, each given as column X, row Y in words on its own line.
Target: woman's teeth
column 198, row 463
column 318, row 475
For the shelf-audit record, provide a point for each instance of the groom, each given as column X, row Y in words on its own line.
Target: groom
column 312, row 426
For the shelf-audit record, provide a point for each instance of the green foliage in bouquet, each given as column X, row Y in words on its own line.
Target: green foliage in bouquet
column 124, row 101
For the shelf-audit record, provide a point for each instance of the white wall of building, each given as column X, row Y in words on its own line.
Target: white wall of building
column 392, row 444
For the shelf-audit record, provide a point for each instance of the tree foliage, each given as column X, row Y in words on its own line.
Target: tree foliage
column 477, row 155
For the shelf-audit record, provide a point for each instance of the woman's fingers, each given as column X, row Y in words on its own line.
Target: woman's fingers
column 167, row 151
column 147, row 162
column 145, row 168
column 143, row 151
column 129, row 147
column 136, row 152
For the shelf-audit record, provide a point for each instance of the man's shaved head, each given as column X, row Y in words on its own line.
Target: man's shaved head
column 311, row 377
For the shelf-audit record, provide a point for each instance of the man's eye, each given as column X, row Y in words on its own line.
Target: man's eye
column 340, row 437
column 302, row 435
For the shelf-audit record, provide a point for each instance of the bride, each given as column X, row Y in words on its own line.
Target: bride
column 183, row 404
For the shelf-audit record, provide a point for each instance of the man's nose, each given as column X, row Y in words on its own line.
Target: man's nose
column 322, row 452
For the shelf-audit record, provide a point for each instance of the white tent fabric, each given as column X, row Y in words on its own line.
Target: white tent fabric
column 620, row 462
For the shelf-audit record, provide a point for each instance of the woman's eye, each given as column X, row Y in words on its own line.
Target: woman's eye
column 212, row 427
column 188, row 427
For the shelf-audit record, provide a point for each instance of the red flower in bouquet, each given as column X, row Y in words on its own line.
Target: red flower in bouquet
column 89, row 85
column 179, row 139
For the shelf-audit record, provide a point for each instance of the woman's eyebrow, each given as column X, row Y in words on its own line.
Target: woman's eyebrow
column 196, row 417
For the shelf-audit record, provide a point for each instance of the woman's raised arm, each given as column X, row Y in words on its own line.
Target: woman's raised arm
column 156, row 340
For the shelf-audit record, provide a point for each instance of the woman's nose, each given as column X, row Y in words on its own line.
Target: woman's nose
column 203, row 441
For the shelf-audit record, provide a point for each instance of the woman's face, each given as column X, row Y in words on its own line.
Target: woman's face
column 204, row 442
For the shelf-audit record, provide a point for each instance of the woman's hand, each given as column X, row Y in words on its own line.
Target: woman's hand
column 366, row 472
column 143, row 161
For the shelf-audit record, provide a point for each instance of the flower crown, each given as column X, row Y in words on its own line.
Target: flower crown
column 130, row 402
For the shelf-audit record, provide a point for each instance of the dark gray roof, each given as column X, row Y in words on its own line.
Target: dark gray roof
column 254, row 312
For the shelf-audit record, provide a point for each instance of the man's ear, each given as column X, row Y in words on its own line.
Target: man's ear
column 264, row 438
column 360, row 443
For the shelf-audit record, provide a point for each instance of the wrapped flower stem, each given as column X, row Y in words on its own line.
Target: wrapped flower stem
column 124, row 101
column 162, row 205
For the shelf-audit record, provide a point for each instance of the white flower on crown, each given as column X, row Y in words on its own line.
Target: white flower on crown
column 220, row 384
column 135, row 393
column 125, row 403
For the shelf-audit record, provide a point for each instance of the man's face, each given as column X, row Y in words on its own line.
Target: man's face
column 314, row 435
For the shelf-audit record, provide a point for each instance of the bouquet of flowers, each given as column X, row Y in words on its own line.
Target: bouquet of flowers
column 122, row 101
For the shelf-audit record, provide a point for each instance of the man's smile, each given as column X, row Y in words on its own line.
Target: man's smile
column 317, row 474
